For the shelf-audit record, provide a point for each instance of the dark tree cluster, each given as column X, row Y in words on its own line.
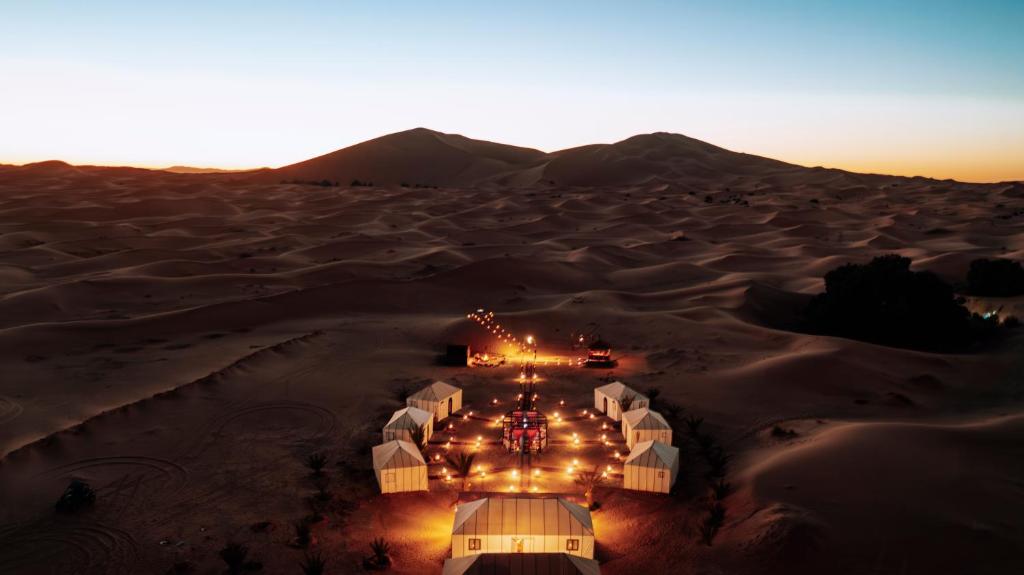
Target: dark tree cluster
column 995, row 278
column 885, row 302
column 321, row 183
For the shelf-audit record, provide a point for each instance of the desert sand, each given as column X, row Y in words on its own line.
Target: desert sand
column 182, row 341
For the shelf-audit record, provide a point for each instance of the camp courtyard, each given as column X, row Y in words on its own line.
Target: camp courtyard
column 522, row 449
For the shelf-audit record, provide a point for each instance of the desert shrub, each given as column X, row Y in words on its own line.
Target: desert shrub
column 885, row 302
column 782, row 433
column 1011, row 321
column 77, row 496
column 313, row 564
column 234, row 555
column 995, row 278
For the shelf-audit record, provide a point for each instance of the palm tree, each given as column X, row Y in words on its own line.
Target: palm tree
column 417, row 436
column 316, row 462
column 588, row 481
column 712, row 523
column 718, row 462
column 462, row 463
column 721, row 489
column 693, row 424
column 323, row 488
column 626, row 403
column 314, row 564
column 652, row 394
column 381, row 551
column 302, row 533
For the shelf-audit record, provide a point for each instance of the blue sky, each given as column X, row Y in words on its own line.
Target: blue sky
column 933, row 88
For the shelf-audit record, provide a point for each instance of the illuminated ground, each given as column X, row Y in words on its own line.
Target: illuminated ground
column 578, row 439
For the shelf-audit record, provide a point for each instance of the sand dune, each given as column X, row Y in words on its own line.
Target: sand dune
column 188, row 330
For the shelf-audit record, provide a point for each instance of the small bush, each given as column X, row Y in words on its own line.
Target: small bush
column 77, row 496
column 783, row 433
column 234, row 555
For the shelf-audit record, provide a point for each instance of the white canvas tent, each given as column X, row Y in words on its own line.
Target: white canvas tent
column 651, row 466
column 608, row 399
column 438, row 398
column 644, row 425
column 399, row 466
column 522, row 525
column 521, row 564
column 405, row 421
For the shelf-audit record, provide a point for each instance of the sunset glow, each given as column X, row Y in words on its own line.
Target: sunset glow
column 923, row 89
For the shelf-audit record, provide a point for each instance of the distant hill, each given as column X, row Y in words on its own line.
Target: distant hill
column 422, row 157
column 414, row 157
column 194, row 170
column 426, row 157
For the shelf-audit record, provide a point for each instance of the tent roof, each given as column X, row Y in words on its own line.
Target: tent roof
column 617, row 390
column 521, row 564
column 409, row 417
column 397, row 453
column 435, row 392
column 576, row 511
column 644, row 418
column 648, row 453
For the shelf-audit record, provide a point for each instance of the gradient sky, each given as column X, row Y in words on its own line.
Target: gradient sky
column 923, row 87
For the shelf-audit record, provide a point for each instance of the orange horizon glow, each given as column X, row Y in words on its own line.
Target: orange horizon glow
column 1002, row 164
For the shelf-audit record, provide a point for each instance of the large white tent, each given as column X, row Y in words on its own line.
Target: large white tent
column 399, row 466
column 651, row 466
column 608, row 399
column 438, row 398
column 405, row 421
column 522, row 525
column 521, row 564
column 644, row 425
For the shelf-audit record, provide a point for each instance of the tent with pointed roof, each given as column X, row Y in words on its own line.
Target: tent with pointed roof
column 651, row 466
column 521, row 564
column 608, row 399
column 644, row 424
column 399, row 466
column 406, row 421
column 522, row 525
column 438, row 398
